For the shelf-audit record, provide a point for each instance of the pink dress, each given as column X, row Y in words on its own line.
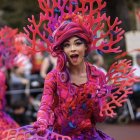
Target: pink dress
column 6, row 122
column 70, row 109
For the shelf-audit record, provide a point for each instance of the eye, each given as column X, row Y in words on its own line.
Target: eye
column 66, row 45
column 78, row 43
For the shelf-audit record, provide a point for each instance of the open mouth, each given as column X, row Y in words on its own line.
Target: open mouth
column 74, row 57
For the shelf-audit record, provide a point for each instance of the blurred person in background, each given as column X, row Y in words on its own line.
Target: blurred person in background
column 36, row 60
column 20, row 73
column 49, row 63
column 19, row 82
column 136, row 86
column 98, row 62
column 17, row 77
column 6, row 121
column 18, row 100
column 25, row 64
column 137, row 67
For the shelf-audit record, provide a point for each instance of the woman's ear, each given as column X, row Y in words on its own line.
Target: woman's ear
column 86, row 50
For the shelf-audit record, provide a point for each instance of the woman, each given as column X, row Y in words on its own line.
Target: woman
column 75, row 92
column 47, row 65
column 71, row 99
column 7, row 55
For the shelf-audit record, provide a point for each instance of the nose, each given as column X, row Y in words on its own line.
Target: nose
column 73, row 48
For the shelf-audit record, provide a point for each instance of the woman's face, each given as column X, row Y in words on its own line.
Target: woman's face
column 75, row 49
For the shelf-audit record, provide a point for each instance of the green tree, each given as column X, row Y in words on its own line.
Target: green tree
column 16, row 12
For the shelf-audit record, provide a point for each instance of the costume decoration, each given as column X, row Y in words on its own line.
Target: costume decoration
column 2, row 90
column 7, row 56
column 126, row 53
column 7, row 49
column 73, row 110
column 27, row 132
column 11, row 44
column 22, row 44
column 54, row 14
column 121, row 77
column 71, row 106
column 90, row 16
column 6, row 121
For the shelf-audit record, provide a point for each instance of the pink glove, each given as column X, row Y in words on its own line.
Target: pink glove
column 40, row 127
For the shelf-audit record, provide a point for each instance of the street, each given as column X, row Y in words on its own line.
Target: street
column 122, row 132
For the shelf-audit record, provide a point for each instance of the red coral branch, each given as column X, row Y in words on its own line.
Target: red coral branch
column 34, row 28
column 110, row 37
column 93, row 19
column 120, row 76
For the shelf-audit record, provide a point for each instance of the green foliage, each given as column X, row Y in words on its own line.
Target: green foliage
column 16, row 12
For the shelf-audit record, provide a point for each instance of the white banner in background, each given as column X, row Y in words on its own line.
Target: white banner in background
column 132, row 42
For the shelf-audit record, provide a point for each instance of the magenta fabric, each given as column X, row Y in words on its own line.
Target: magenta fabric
column 72, row 110
column 68, row 29
column 6, row 122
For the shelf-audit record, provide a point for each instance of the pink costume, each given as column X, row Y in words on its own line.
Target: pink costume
column 71, row 110
column 7, row 56
column 6, row 122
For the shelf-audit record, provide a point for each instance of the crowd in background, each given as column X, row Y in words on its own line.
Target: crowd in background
column 25, row 85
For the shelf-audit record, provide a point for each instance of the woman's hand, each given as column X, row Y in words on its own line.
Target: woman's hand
column 40, row 127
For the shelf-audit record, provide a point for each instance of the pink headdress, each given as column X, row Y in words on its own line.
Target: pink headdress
column 84, row 20
column 68, row 29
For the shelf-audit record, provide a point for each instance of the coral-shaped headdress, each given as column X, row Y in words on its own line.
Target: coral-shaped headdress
column 88, row 17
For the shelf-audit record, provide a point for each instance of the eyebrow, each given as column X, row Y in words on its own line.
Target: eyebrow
column 74, row 40
column 77, row 40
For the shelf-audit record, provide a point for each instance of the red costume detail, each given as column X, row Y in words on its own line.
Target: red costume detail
column 7, row 56
column 6, row 121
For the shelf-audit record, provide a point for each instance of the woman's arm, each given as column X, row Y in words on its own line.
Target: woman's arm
column 45, row 113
